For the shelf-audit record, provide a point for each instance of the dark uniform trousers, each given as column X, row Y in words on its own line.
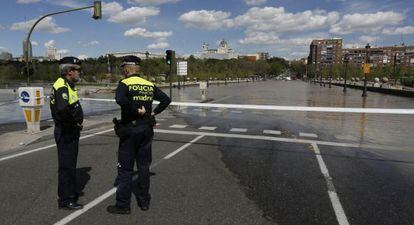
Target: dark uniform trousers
column 134, row 147
column 67, row 141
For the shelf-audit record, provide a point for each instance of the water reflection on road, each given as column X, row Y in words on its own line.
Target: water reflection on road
column 350, row 127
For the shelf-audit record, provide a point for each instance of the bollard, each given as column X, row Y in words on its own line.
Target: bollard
column 203, row 90
column 31, row 100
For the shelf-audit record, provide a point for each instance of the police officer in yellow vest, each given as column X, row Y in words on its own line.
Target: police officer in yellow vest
column 68, row 117
column 135, row 95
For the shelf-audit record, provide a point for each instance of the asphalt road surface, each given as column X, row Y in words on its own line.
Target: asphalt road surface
column 217, row 166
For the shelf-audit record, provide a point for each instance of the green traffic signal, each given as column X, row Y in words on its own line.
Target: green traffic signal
column 170, row 55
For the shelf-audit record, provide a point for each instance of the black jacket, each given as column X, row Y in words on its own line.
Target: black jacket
column 134, row 92
column 64, row 113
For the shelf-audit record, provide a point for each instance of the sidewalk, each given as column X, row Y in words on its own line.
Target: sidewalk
column 16, row 140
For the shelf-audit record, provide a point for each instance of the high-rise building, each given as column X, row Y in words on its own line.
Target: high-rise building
column 325, row 52
column 263, row 55
column 381, row 56
column 330, row 51
column 51, row 53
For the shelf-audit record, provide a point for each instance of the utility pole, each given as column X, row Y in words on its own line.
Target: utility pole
column 366, row 70
column 346, row 70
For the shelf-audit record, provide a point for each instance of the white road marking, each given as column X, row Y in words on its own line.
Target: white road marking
column 277, row 132
column 221, row 99
column 336, row 203
column 178, row 126
column 346, row 137
column 207, row 128
column 241, row 130
column 183, row 147
column 161, row 119
column 284, row 108
column 309, row 135
column 288, row 140
column 50, row 146
column 101, row 198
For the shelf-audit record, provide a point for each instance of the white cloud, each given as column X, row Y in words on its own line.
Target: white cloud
column 134, row 15
column 91, row 43
column 255, row 2
column 68, row 3
column 63, row 51
column 111, row 9
column 399, row 30
column 27, row 1
column 144, row 33
column 271, row 38
column 48, row 24
column 152, row 2
column 34, row 43
column 3, row 48
column 210, row 20
column 266, row 38
column 158, row 45
column 279, row 20
column 82, row 57
column 50, row 44
column 1, row 27
column 366, row 23
column 367, row 39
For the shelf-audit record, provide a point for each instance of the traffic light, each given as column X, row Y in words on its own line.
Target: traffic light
column 97, row 10
column 169, row 57
column 27, row 72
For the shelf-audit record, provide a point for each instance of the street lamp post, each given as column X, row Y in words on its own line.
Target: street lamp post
column 366, row 70
column 330, row 75
column 97, row 15
column 346, row 70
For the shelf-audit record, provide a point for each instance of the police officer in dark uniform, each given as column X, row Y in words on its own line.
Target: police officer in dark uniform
column 68, row 117
column 135, row 130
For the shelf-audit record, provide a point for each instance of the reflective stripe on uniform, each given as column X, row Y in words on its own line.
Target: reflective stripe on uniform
column 73, row 93
column 136, row 80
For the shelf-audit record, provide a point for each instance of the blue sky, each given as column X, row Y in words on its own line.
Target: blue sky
column 281, row 27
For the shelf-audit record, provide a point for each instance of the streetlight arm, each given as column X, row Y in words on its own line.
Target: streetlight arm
column 40, row 19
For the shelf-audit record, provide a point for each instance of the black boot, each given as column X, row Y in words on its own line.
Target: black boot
column 70, row 206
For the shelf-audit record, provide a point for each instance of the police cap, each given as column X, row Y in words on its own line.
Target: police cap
column 131, row 60
column 69, row 60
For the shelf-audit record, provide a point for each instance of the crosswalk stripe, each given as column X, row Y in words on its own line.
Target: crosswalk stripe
column 179, row 126
column 310, row 135
column 207, row 128
column 238, row 130
column 277, row 132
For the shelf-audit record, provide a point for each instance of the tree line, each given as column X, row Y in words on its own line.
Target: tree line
column 107, row 69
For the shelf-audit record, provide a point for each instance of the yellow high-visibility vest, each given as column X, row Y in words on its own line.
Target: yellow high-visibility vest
column 73, row 93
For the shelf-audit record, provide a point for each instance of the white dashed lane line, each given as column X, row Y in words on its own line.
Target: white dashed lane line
column 240, row 130
column 276, row 132
column 309, row 135
column 207, row 128
column 178, row 126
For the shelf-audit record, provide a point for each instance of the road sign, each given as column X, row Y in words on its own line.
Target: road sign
column 182, row 68
column 367, row 68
